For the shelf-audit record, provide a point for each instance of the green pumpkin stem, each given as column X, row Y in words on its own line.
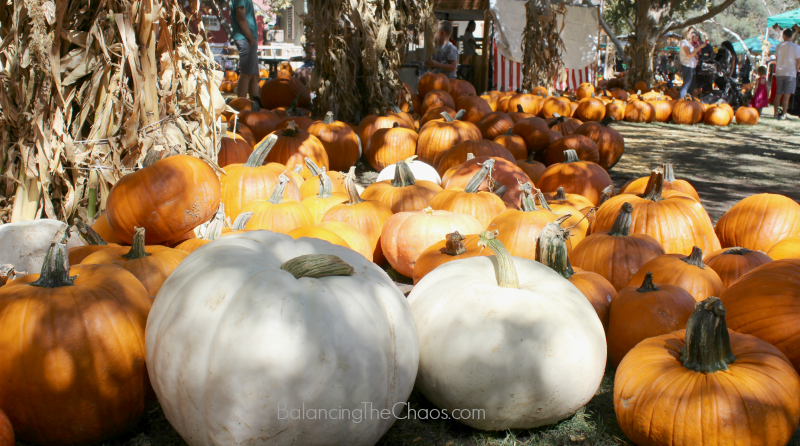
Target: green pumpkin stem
column 622, row 225
column 695, row 258
column 214, row 228
column 654, row 187
column 137, row 246
column 708, row 343
column 316, row 266
column 647, row 284
column 350, row 187
column 447, row 116
column 454, row 244
column 261, row 151
column 669, row 173
column 403, row 176
column 241, row 221
column 506, row 271
column 312, row 166
column 527, row 202
column 551, row 247
column 280, row 189
column 571, row 156
column 89, row 235
column 479, row 177
column 325, row 185
column 55, row 268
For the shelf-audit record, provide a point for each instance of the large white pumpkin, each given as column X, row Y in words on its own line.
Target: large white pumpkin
column 237, row 347
column 421, row 171
column 526, row 356
column 25, row 243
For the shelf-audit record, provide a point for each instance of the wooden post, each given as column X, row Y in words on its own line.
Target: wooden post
column 485, row 81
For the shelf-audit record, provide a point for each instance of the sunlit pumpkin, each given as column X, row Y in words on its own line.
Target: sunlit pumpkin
column 432, row 81
column 339, row 140
column 438, row 136
column 759, row 221
column 294, row 145
column 390, row 145
column 688, row 272
column 576, row 177
column 638, row 185
column 404, row 193
column 471, row 200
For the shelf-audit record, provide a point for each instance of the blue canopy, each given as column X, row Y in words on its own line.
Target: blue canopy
column 754, row 45
column 785, row 20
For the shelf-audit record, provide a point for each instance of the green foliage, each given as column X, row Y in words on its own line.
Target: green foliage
column 747, row 18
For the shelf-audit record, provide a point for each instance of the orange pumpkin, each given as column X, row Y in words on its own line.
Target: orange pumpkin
column 404, row 193
column 514, row 144
column 339, row 140
column 213, row 231
column 518, row 115
column 324, row 199
column 494, row 124
column 706, row 385
column 590, row 109
column 687, row 112
column 406, row 235
column 504, row 174
column 454, row 247
column 535, row 132
column 438, row 136
column 432, row 81
column 639, row 111
column 519, row 229
column 561, row 198
column 552, row 250
column 261, row 123
column 252, row 180
column 584, row 147
column 746, row 116
column 676, row 220
column 732, row 263
column 610, row 144
column 72, row 352
column 576, row 177
column 759, row 221
column 534, row 169
column 282, row 91
column 437, row 98
column 337, row 233
column 564, row 125
column 233, row 150
column 294, row 145
column 367, row 216
column 642, row 312
column 460, row 88
column 788, row 248
column 638, row 185
column 555, row 105
column 457, row 154
column 150, row 264
column 94, row 243
column 616, row 109
column 277, row 215
column 526, row 103
column 168, row 198
column 372, row 123
column 491, row 100
column 103, row 229
column 6, row 431
column 687, row 272
column 248, row 135
column 311, row 186
column 482, row 205
column 584, row 90
column 717, row 116
column 435, row 114
column 616, row 254
column 390, row 145
column 662, row 110
column 475, row 107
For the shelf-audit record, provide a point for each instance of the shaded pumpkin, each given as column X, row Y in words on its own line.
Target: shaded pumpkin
column 562, row 124
column 457, row 154
column 432, row 81
column 438, row 136
column 610, row 143
column 584, row 178
column 759, row 221
column 435, row 114
column 471, row 200
column 104, row 230
column 372, row 123
column 213, row 231
column 638, row 185
column 616, row 109
column 437, row 98
column 639, row 111
column 687, row 112
column 233, row 149
column 616, row 254
column 245, row 132
column 339, row 140
column 504, row 174
column 454, row 247
column 94, row 243
column 404, row 193
column 535, row 132
column 532, row 168
column 281, row 91
column 390, row 145
column 584, row 147
column 475, row 107
column 732, row 263
column 518, row 115
column 460, row 88
column 261, row 123
column 717, row 116
column 514, row 143
column 494, row 124
column 645, row 311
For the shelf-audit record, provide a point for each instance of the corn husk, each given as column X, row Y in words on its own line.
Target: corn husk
column 542, row 45
column 97, row 86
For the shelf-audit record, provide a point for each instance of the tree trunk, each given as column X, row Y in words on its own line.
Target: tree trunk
column 640, row 65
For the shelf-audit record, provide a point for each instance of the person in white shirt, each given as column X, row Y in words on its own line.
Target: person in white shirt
column 688, row 56
column 445, row 59
column 786, row 68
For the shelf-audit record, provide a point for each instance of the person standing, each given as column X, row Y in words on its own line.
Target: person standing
column 470, row 45
column 744, row 73
column 688, row 56
column 244, row 37
column 445, row 59
column 786, row 67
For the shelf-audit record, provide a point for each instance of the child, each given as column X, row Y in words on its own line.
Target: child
column 445, row 60
column 671, row 80
column 760, row 97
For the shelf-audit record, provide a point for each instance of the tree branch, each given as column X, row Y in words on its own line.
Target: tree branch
column 629, row 23
column 614, row 40
column 675, row 25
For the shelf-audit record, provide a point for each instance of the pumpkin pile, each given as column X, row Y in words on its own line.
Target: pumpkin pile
column 507, row 223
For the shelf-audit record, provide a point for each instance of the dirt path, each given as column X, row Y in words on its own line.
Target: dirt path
column 725, row 164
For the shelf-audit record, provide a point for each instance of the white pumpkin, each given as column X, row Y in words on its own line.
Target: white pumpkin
column 528, row 351
column 421, row 171
column 25, row 243
column 236, row 347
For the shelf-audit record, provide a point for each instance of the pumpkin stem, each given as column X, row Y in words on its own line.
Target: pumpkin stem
column 291, row 130
column 669, row 173
column 325, row 185
column 608, row 192
column 560, row 194
column 261, row 151
column 737, row 251
column 312, row 166
column 572, row 156
column 470, row 156
column 654, row 187
column 460, row 115
column 607, row 121
column 708, row 343
column 137, row 246
column 647, row 284
column 527, row 203
column 89, row 235
column 316, row 266
column 55, row 268
column 454, row 244
column 350, row 186
column 520, row 109
column 551, row 247
column 280, row 189
column 622, row 225
column 446, row 116
column 402, row 174
column 214, row 228
column 328, row 118
column 479, row 177
column 241, row 221
column 695, row 258
column 506, row 271
column 7, row 273
column 292, row 111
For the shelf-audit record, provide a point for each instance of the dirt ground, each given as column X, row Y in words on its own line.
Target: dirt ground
column 724, row 164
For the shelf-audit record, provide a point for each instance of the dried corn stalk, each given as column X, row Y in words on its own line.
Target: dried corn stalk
column 360, row 46
column 95, row 86
column 541, row 44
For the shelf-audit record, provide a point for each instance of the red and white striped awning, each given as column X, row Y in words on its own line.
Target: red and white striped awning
column 508, row 75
